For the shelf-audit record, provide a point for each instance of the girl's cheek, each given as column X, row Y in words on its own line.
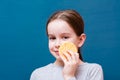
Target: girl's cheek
column 50, row 44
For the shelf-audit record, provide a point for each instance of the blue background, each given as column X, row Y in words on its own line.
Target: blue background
column 23, row 40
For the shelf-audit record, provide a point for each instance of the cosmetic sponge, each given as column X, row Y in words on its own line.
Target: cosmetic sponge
column 67, row 46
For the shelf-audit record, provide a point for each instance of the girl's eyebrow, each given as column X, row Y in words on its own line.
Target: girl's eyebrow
column 50, row 35
column 60, row 34
column 65, row 33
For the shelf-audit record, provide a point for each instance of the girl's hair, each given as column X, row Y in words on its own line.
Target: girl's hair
column 73, row 18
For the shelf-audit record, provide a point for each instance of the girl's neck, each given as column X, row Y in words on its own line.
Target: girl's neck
column 59, row 63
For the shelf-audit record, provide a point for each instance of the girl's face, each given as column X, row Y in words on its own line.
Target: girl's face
column 58, row 32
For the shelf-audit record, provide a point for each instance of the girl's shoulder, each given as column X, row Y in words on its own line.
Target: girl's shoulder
column 42, row 69
column 90, row 71
column 90, row 66
column 86, row 64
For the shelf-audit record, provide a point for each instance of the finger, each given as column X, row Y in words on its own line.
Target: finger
column 77, row 56
column 72, row 54
column 68, row 56
column 64, row 58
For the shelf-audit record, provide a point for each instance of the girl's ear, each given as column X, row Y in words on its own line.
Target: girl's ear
column 82, row 39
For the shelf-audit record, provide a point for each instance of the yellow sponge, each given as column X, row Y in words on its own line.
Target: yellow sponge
column 67, row 46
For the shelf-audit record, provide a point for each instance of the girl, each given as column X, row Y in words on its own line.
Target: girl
column 64, row 26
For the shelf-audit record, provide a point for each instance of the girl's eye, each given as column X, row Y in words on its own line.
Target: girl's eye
column 65, row 37
column 52, row 38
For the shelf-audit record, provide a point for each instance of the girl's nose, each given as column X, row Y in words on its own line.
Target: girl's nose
column 57, row 44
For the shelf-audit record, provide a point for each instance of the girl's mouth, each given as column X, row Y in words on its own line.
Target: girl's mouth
column 57, row 52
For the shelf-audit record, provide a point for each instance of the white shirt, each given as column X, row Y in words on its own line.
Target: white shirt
column 85, row 71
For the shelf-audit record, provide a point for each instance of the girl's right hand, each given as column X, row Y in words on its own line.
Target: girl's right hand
column 71, row 62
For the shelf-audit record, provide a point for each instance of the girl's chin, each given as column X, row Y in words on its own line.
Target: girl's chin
column 58, row 58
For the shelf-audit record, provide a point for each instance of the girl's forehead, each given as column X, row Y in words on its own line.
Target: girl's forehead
column 58, row 22
column 59, row 25
column 60, row 31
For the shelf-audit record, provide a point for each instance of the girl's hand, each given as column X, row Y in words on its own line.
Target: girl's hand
column 71, row 62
